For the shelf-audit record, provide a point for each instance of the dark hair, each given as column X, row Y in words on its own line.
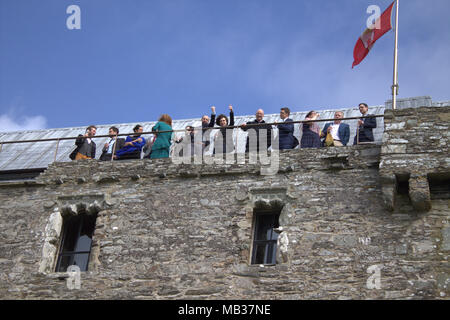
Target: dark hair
column 136, row 128
column 116, row 130
column 91, row 127
column 364, row 104
column 286, row 109
column 220, row 117
column 310, row 114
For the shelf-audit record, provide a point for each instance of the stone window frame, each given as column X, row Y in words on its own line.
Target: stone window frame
column 71, row 205
column 78, row 224
column 266, row 198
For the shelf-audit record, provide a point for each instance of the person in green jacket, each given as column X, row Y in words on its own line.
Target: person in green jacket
column 161, row 146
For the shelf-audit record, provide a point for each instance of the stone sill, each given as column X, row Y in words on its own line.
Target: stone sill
column 62, row 275
column 19, row 183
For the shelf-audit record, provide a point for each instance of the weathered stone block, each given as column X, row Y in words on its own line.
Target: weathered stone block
column 445, row 246
column 393, row 149
column 419, row 192
column 394, row 126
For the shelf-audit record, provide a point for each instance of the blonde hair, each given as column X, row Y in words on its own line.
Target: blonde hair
column 166, row 118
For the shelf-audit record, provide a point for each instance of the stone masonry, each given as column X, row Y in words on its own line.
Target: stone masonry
column 168, row 231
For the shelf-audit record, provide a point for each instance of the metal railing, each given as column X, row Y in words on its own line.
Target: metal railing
column 184, row 130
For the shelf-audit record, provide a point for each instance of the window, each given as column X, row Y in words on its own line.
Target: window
column 265, row 238
column 439, row 185
column 76, row 242
column 403, row 184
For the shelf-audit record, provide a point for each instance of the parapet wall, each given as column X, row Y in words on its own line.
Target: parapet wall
column 167, row 231
column 415, row 149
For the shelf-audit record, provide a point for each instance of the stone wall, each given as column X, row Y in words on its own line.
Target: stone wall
column 415, row 149
column 167, row 231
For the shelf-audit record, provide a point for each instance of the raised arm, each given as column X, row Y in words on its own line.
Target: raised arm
column 213, row 117
column 231, row 115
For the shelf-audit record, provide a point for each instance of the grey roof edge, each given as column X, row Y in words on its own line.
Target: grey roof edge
column 175, row 120
column 327, row 109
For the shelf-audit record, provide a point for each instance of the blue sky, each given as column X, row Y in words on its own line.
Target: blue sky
column 136, row 59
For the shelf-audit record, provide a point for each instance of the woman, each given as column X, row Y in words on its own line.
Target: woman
column 220, row 139
column 311, row 132
column 161, row 146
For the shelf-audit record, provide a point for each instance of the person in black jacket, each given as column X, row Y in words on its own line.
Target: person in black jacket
column 109, row 146
column 221, row 143
column 286, row 131
column 207, row 123
column 365, row 126
column 255, row 126
column 86, row 148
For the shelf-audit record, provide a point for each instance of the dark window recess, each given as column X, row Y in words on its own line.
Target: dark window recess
column 265, row 238
column 18, row 175
column 439, row 186
column 403, row 184
column 76, row 242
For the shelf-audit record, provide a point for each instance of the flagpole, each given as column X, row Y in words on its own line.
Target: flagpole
column 395, row 84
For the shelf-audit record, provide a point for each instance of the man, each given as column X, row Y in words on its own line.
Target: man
column 207, row 123
column 259, row 120
column 286, row 131
column 85, row 146
column 365, row 126
column 109, row 146
column 188, row 141
column 340, row 132
column 132, row 146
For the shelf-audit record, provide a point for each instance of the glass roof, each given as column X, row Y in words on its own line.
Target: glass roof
column 40, row 154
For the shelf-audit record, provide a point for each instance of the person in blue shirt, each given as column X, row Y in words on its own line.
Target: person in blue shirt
column 133, row 145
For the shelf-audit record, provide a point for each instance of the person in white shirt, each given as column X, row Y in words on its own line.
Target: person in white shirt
column 109, row 146
column 338, row 130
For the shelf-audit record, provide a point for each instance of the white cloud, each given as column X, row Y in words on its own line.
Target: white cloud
column 8, row 124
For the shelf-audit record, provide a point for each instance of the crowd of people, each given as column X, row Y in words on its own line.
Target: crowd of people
column 136, row 146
